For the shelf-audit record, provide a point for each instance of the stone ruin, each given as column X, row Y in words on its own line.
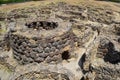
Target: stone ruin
column 42, row 41
column 45, row 75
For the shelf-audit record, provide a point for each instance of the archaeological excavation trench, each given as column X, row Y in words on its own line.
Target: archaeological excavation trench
column 61, row 41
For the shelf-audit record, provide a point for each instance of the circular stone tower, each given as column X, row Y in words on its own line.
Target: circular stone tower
column 42, row 41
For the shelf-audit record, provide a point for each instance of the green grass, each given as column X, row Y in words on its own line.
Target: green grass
column 11, row 1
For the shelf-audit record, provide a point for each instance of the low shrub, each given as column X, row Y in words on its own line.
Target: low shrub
column 11, row 1
column 110, row 0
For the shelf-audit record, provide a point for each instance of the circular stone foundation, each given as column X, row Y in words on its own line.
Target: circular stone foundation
column 41, row 41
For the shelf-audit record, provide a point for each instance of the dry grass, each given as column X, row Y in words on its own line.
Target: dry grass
column 35, row 3
column 45, row 2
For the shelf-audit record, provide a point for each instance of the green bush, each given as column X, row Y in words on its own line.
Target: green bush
column 115, row 0
column 112, row 0
column 11, row 1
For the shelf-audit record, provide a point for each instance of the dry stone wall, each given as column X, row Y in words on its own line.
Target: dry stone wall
column 43, row 75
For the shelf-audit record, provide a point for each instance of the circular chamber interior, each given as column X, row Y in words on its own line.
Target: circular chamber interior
column 42, row 25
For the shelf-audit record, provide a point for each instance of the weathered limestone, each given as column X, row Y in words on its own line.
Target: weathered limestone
column 43, row 75
column 102, row 62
